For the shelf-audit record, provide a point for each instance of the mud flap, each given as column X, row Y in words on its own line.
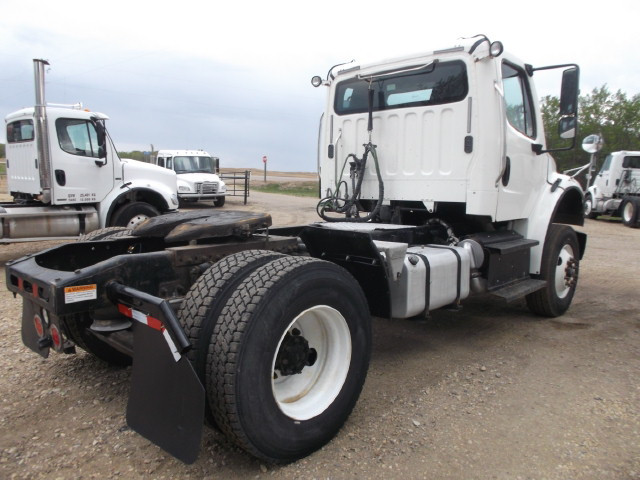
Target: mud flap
column 166, row 402
column 30, row 336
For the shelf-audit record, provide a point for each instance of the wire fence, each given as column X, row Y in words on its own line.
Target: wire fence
column 237, row 183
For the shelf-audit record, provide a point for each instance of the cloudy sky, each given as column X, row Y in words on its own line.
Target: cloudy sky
column 233, row 77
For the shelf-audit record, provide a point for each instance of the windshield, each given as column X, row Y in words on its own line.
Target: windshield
column 437, row 83
column 193, row 164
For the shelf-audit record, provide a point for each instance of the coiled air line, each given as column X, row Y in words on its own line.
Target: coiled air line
column 350, row 205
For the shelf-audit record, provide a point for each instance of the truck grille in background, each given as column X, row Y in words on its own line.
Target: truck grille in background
column 207, row 187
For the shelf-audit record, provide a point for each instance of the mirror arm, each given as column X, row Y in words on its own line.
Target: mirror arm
column 538, row 150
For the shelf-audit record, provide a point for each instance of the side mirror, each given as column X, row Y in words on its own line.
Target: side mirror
column 102, row 136
column 567, row 127
column 569, row 92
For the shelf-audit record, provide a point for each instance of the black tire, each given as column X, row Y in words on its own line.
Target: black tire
column 560, row 267
column 204, row 301
column 105, row 234
column 629, row 212
column 131, row 214
column 78, row 331
column 588, row 207
column 219, row 201
column 78, row 325
column 290, row 301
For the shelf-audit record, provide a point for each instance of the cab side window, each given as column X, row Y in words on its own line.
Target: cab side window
column 77, row 137
column 20, row 131
column 517, row 99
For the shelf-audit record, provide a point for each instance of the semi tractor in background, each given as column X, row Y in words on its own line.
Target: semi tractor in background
column 66, row 178
column 616, row 189
column 437, row 185
column 197, row 172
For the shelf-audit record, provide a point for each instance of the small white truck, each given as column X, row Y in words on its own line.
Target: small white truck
column 67, row 179
column 197, row 175
column 616, row 189
column 267, row 332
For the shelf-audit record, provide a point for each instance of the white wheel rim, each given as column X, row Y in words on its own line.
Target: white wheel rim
column 562, row 280
column 627, row 212
column 136, row 220
column 587, row 207
column 309, row 393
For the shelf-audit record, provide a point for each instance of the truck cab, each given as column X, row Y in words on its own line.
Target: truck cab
column 197, row 172
column 67, row 179
column 459, row 136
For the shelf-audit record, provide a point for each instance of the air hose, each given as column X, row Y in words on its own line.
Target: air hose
column 349, row 205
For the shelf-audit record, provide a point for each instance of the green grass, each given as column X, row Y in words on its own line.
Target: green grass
column 297, row 189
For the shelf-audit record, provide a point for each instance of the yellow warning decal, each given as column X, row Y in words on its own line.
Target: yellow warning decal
column 80, row 293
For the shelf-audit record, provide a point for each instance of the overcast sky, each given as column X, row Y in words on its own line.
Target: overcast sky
column 233, row 78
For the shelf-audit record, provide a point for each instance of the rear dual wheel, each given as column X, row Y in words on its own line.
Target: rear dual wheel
column 205, row 299
column 630, row 212
column 288, row 357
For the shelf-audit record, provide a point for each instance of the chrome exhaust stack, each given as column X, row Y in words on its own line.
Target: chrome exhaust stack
column 42, row 133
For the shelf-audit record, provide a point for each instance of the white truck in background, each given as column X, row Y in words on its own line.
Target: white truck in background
column 197, row 175
column 66, row 178
column 616, row 189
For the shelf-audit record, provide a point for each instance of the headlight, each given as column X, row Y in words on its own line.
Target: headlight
column 183, row 188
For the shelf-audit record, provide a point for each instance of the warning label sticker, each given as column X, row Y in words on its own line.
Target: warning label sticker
column 80, row 293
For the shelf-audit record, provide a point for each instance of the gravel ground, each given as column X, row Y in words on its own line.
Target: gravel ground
column 487, row 392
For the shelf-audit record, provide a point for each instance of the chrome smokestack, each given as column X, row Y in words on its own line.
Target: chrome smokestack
column 42, row 131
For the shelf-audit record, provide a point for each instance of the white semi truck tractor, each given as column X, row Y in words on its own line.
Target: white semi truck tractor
column 66, row 178
column 437, row 184
column 198, row 175
column 616, row 189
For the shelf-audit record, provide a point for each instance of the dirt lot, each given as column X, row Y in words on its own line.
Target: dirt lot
column 488, row 392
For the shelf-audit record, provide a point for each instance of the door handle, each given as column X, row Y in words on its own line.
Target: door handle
column 61, row 177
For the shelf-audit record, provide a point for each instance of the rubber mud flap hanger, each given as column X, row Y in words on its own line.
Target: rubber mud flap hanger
column 167, row 400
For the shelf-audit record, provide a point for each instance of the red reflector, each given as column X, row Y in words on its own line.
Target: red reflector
column 37, row 322
column 154, row 323
column 126, row 311
column 55, row 336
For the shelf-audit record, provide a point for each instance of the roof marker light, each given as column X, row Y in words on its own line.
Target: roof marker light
column 496, row 49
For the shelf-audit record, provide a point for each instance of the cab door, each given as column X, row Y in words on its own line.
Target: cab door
column 79, row 174
column 523, row 169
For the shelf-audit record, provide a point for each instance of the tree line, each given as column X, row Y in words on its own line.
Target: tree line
column 613, row 116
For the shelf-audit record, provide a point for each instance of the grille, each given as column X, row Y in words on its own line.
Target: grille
column 207, row 187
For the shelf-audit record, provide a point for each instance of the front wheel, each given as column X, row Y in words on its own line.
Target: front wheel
column 289, row 357
column 131, row 214
column 588, row 207
column 219, row 201
column 560, row 267
column 630, row 213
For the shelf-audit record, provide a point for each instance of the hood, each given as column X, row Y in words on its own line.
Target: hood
column 198, row 177
column 136, row 170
